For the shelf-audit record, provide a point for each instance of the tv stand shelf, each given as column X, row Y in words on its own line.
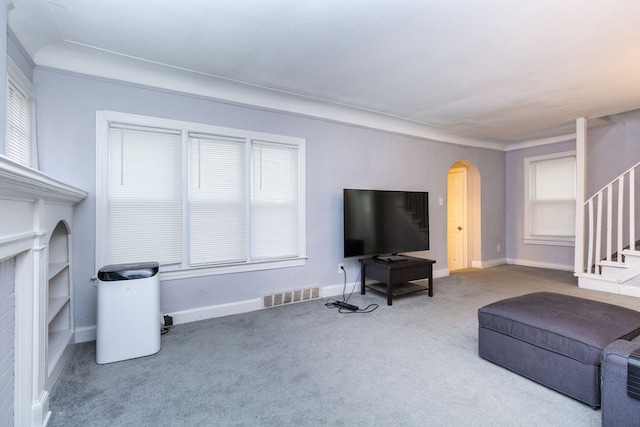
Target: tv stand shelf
column 397, row 278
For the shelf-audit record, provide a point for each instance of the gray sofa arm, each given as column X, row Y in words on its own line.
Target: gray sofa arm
column 618, row 409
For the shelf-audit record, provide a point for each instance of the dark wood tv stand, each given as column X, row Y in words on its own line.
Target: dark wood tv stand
column 396, row 277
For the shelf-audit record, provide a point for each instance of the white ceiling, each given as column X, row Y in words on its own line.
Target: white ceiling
column 488, row 71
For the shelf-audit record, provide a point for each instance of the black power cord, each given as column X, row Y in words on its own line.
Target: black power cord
column 343, row 306
column 342, row 310
column 167, row 322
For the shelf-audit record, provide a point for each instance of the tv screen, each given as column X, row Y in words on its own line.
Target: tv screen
column 380, row 222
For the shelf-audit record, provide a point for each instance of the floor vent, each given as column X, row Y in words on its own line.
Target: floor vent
column 290, row 297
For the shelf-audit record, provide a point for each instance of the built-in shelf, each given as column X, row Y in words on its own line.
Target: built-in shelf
column 58, row 341
column 59, row 307
column 37, row 221
column 56, row 267
column 55, row 306
column 59, row 284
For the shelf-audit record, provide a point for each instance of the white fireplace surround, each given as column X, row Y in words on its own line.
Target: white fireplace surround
column 31, row 205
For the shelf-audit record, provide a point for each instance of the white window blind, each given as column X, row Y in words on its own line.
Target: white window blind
column 198, row 199
column 218, row 200
column 274, row 201
column 18, row 138
column 552, row 194
column 145, row 202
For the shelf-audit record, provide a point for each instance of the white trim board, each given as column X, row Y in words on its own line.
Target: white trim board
column 489, row 263
column 548, row 265
column 88, row 333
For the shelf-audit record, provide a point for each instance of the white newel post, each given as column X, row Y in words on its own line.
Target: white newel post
column 581, row 173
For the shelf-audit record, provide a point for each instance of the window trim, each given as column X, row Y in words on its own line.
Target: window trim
column 104, row 117
column 22, row 83
column 528, row 237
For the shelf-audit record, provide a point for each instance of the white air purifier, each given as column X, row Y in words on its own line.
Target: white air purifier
column 128, row 317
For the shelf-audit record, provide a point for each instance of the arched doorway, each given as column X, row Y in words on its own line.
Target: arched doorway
column 463, row 215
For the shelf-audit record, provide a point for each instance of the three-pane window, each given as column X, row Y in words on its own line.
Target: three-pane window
column 192, row 196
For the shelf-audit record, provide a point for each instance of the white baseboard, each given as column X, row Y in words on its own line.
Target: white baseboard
column 335, row 290
column 489, row 263
column 85, row 334
column 88, row 333
column 548, row 265
column 210, row 312
column 441, row 273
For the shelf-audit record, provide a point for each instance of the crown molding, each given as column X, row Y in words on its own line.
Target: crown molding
column 89, row 61
column 541, row 141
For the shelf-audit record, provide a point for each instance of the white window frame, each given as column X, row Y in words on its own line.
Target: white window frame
column 530, row 238
column 103, row 118
column 22, row 83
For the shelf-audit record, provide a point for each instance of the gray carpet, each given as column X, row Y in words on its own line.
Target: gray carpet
column 411, row 364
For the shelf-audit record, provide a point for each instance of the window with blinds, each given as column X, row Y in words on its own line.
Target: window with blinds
column 217, row 200
column 19, row 145
column 145, row 195
column 275, row 201
column 551, row 197
column 195, row 197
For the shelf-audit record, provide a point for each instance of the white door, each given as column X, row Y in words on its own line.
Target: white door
column 457, row 219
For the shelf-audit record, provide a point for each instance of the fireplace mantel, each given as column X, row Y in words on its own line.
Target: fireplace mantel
column 23, row 183
column 32, row 206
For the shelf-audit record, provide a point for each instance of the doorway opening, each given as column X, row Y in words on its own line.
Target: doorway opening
column 463, row 216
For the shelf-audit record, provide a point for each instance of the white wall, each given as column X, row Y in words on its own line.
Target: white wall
column 17, row 53
column 338, row 156
column 612, row 149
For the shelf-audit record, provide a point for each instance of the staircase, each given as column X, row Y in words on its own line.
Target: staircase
column 611, row 261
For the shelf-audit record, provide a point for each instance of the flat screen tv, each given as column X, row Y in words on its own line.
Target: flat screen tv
column 378, row 222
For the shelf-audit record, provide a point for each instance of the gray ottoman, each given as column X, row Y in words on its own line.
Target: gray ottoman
column 554, row 339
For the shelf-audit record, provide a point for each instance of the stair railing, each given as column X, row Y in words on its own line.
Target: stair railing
column 608, row 213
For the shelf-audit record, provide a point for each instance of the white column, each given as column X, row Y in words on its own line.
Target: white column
column 581, row 173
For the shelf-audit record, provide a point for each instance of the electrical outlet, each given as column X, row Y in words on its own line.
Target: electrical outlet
column 168, row 320
column 340, row 268
column 499, row 247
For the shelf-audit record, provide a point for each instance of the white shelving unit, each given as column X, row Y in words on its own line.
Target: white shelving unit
column 35, row 230
column 59, row 301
